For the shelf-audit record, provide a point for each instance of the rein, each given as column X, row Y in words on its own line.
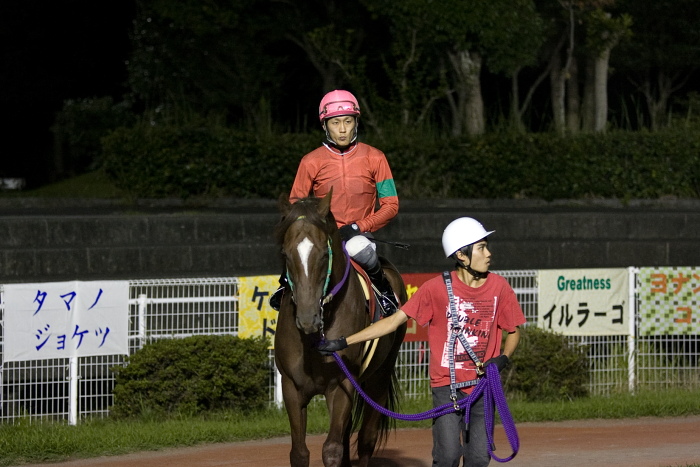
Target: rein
column 340, row 284
column 494, row 399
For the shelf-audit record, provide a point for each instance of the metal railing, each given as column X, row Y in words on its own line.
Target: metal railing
column 175, row 308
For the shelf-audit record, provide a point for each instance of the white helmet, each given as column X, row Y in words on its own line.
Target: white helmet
column 462, row 232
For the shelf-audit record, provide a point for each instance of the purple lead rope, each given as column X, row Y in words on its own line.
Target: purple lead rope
column 489, row 386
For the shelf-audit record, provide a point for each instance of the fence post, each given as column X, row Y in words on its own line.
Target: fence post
column 631, row 348
column 73, row 390
column 279, row 400
column 142, row 320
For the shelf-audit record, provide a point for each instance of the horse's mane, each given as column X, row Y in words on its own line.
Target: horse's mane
column 308, row 209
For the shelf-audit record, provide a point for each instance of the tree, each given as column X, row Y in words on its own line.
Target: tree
column 603, row 33
column 582, row 37
column 415, row 73
column 664, row 52
column 202, row 57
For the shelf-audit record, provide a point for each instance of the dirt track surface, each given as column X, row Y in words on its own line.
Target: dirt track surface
column 643, row 442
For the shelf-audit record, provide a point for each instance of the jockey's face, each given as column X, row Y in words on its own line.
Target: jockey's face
column 341, row 129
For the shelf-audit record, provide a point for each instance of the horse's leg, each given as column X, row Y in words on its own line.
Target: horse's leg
column 336, row 452
column 296, row 404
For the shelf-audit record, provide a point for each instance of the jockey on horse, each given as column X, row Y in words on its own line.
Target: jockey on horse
column 360, row 176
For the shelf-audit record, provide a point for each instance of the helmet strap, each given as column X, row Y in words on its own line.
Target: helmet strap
column 467, row 251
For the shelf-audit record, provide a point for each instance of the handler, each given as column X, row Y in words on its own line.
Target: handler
column 360, row 177
column 463, row 333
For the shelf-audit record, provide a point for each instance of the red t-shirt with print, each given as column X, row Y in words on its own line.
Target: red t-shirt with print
column 483, row 312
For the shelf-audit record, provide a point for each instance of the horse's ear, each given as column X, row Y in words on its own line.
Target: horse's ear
column 325, row 205
column 284, row 205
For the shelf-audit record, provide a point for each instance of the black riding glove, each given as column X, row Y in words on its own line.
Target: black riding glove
column 348, row 231
column 501, row 362
column 331, row 346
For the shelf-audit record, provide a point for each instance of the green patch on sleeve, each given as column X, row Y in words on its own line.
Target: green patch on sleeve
column 386, row 188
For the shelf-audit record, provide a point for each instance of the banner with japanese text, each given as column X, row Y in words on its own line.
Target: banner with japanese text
column 257, row 318
column 255, row 315
column 65, row 319
column 584, row 302
column 669, row 301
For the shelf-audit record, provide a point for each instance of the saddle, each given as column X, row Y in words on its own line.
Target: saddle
column 372, row 308
column 371, row 298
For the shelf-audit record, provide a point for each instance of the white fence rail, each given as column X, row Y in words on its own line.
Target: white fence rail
column 70, row 389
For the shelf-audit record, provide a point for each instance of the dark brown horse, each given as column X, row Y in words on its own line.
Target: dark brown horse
column 316, row 265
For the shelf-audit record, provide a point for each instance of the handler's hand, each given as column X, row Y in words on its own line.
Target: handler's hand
column 331, row 346
column 501, row 362
column 348, row 231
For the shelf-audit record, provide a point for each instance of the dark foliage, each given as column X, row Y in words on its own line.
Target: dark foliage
column 190, row 160
column 546, row 367
column 193, row 375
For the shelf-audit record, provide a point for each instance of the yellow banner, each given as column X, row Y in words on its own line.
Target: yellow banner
column 255, row 316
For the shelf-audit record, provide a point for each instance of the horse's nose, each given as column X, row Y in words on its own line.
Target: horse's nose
column 310, row 324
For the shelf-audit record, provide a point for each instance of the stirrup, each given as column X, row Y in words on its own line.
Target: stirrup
column 388, row 304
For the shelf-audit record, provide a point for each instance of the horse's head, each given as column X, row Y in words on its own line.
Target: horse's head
column 305, row 236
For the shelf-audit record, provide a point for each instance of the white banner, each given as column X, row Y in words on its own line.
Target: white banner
column 584, row 302
column 65, row 319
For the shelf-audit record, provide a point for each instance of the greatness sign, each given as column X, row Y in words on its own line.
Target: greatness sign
column 584, row 302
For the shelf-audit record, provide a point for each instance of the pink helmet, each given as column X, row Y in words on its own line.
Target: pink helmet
column 337, row 103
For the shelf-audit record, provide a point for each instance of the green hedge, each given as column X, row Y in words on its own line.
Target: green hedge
column 202, row 161
column 546, row 367
column 189, row 161
column 193, row 375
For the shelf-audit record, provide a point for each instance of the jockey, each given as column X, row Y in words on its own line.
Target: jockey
column 360, row 177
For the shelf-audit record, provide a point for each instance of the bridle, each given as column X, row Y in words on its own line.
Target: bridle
column 327, row 297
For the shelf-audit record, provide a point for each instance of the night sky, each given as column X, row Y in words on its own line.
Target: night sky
column 52, row 51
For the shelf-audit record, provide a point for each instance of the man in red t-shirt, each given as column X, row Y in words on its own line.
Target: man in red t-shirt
column 485, row 304
column 360, row 177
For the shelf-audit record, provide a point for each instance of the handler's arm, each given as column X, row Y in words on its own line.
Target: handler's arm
column 378, row 329
column 511, row 343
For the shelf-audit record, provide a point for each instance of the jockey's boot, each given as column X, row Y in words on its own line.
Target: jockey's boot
column 385, row 295
column 276, row 297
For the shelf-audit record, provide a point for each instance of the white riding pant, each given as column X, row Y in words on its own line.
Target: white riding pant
column 363, row 251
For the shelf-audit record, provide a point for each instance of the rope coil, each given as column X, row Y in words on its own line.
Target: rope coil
column 494, row 399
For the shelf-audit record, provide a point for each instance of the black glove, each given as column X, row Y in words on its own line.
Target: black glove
column 501, row 362
column 331, row 346
column 348, row 231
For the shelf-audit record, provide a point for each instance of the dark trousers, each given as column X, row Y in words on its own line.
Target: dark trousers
column 452, row 440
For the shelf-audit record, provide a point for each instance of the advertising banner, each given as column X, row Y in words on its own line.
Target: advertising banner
column 584, row 302
column 669, row 301
column 65, row 319
column 257, row 318
column 255, row 315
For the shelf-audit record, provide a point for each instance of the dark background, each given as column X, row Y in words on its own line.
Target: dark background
column 52, row 51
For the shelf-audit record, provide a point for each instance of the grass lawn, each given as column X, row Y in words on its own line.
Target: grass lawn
column 34, row 442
